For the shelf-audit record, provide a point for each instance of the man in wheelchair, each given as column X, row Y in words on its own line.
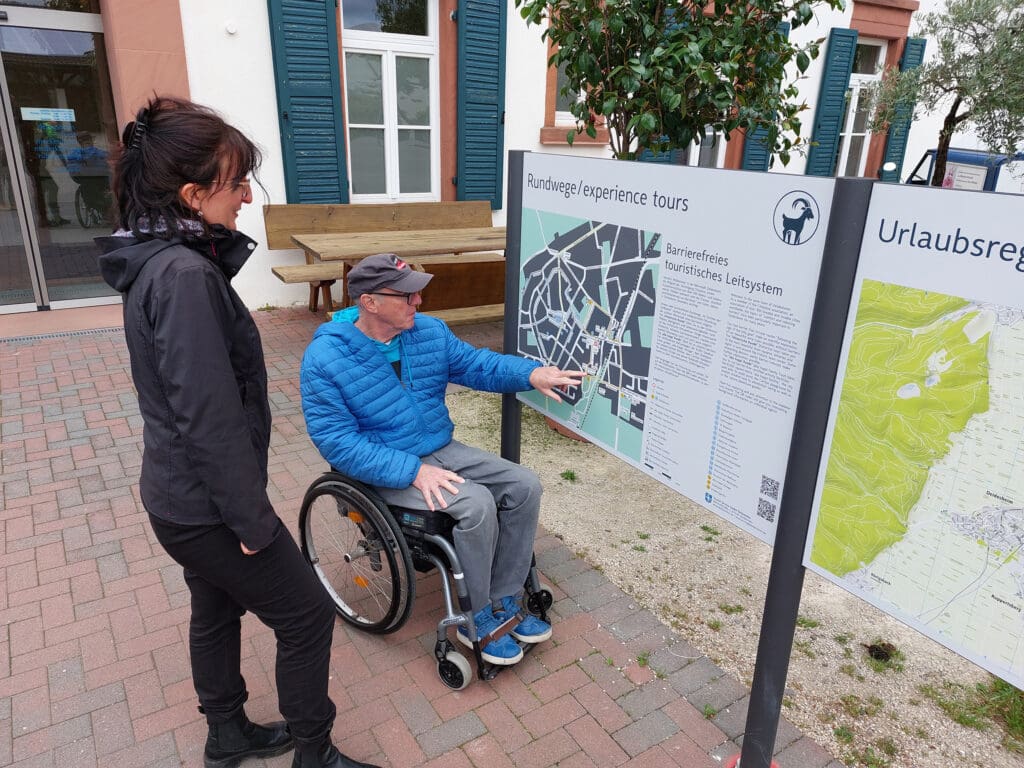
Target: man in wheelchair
column 373, row 395
column 89, row 168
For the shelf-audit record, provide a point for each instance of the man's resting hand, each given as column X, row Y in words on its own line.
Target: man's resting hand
column 430, row 480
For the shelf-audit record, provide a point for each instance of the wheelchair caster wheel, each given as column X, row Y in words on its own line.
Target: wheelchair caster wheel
column 454, row 670
column 539, row 602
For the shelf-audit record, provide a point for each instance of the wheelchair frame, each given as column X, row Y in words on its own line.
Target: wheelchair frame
column 366, row 559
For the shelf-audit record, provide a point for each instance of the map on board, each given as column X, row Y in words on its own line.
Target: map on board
column 587, row 303
column 922, row 506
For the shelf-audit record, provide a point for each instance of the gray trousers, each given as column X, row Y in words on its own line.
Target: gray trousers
column 496, row 510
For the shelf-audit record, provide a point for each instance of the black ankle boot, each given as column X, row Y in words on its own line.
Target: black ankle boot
column 324, row 755
column 230, row 743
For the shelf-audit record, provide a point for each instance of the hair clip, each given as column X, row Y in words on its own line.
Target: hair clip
column 138, row 129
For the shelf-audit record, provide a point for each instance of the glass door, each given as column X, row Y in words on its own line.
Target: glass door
column 58, row 127
column 18, row 280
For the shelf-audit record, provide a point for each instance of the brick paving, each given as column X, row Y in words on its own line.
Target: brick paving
column 94, row 616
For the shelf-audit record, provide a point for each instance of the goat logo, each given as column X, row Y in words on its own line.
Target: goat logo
column 796, row 218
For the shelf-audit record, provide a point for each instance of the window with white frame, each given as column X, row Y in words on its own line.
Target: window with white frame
column 707, row 154
column 852, row 154
column 565, row 102
column 391, row 99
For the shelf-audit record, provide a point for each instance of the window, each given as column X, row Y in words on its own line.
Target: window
column 564, row 103
column 390, row 54
column 82, row 6
column 852, row 153
column 403, row 17
column 558, row 120
column 707, row 154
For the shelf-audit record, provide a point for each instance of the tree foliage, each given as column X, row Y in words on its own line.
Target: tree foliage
column 404, row 17
column 658, row 72
column 975, row 75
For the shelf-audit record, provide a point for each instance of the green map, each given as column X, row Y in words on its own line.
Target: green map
column 587, row 301
column 922, row 508
column 915, row 375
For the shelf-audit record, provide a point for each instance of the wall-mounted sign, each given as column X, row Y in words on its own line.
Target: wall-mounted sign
column 48, row 114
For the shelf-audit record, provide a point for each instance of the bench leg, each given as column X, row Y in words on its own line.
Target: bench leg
column 325, row 288
column 314, row 296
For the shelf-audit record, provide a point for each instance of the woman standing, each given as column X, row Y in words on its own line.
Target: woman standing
column 197, row 363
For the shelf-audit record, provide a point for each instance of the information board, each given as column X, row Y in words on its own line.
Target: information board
column 919, row 507
column 685, row 294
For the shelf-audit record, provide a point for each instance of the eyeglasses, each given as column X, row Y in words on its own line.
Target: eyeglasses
column 234, row 185
column 242, row 184
column 407, row 296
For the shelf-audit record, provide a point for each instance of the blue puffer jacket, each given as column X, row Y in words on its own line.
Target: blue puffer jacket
column 374, row 429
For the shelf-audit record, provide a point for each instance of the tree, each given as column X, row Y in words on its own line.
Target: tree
column 976, row 74
column 658, row 72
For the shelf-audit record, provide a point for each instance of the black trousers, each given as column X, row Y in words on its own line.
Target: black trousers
column 276, row 585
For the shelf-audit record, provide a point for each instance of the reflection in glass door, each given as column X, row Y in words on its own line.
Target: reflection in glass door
column 59, row 128
column 16, row 279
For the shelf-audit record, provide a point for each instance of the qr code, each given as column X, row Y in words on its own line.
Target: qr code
column 769, row 487
column 766, row 510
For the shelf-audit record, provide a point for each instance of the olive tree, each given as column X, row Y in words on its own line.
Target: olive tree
column 975, row 77
column 658, row 73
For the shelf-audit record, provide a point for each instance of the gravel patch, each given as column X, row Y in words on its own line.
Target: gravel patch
column 706, row 579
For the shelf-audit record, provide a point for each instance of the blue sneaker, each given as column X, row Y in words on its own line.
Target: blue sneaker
column 503, row 651
column 530, row 629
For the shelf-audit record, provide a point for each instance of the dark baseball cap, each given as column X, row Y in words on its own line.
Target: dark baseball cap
column 385, row 270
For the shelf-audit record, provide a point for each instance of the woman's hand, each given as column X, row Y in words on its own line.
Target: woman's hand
column 246, row 550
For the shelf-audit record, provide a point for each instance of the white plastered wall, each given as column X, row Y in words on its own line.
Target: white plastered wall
column 231, row 68
column 810, row 83
column 525, row 95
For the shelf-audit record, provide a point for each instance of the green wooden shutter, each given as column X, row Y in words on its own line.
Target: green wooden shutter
column 481, row 94
column 671, row 157
column 756, row 155
column 896, row 140
column 828, row 119
column 304, row 36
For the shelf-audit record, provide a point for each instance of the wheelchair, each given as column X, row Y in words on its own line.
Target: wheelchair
column 366, row 554
column 93, row 200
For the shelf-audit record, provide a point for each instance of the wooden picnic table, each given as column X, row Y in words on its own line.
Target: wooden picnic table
column 408, row 244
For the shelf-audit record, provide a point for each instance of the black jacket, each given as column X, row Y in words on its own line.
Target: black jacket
column 197, row 364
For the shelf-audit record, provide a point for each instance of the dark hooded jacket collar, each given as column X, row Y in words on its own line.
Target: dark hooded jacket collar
column 124, row 254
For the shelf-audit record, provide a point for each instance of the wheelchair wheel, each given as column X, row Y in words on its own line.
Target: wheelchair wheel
column 82, row 211
column 87, row 215
column 454, row 671
column 355, row 547
column 539, row 602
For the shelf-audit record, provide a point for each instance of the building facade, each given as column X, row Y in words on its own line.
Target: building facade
column 352, row 101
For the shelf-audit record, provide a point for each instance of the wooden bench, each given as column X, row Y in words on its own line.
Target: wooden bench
column 465, row 315
column 463, row 279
